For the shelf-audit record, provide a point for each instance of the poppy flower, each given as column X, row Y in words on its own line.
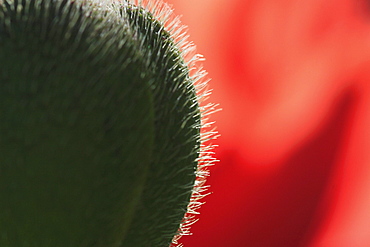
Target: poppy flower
column 292, row 79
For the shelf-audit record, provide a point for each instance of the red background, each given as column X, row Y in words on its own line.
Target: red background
column 292, row 78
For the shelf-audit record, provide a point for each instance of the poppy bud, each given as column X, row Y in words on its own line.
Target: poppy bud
column 100, row 120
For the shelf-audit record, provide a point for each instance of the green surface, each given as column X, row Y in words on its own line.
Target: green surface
column 99, row 127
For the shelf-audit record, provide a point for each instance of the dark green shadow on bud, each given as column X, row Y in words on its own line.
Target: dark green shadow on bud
column 77, row 126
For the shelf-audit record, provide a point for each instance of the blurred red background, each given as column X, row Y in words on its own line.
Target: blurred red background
column 292, row 78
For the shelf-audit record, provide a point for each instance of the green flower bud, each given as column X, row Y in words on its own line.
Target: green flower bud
column 100, row 125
